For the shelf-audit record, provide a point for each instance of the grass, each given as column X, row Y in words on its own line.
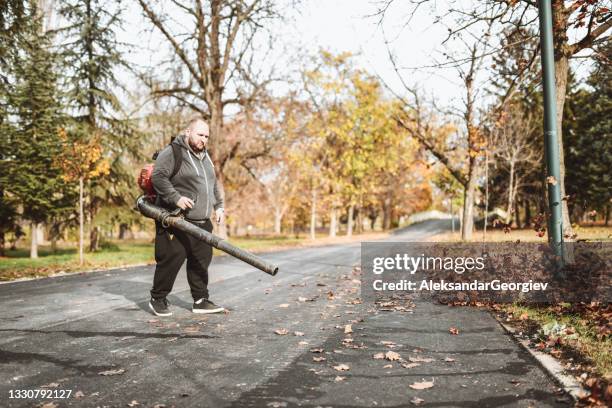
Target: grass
column 585, row 331
column 17, row 264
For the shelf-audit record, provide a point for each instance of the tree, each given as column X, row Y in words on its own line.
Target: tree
column 92, row 54
column 215, row 63
column 588, row 129
column 33, row 101
column 588, row 20
column 81, row 160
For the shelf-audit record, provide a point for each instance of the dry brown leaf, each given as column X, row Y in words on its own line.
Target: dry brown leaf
column 392, row 356
column 133, row 403
column 423, row 385
column 453, row 330
column 49, row 405
column 298, row 333
column 339, row 378
column 284, row 305
column 50, row 385
column 341, row 367
column 348, row 329
column 303, row 343
column 449, row 359
column 316, row 350
column 410, row 365
column 378, row 356
column 281, row 332
column 318, row 359
column 388, row 366
column 79, row 394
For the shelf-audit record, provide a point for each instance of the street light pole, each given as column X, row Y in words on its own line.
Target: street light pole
column 553, row 179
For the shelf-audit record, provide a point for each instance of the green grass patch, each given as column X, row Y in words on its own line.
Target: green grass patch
column 17, row 264
column 582, row 328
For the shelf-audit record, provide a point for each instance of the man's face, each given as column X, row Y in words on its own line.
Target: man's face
column 198, row 134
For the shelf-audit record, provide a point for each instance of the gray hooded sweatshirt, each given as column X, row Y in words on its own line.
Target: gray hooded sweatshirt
column 195, row 179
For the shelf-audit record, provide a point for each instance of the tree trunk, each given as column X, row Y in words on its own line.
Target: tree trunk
column 278, row 218
column 34, row 240
column 517, row 214
column 510, row 195
column 94, row 239
column 81, row 238
column 387, row 213
column 333, row 221
column 216, row 129
column 349, row 226
column 467, row 225
column 313, row 214
column 526, row 204
column 560, row 26
column 123, row 229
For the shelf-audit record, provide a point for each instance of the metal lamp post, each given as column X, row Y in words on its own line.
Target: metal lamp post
column 553, row 179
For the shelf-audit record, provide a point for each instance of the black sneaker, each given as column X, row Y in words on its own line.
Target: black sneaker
column 159, row 307
column 206, row 306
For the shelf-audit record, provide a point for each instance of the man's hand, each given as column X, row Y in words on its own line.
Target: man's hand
column 220, row 215
column 184, row 203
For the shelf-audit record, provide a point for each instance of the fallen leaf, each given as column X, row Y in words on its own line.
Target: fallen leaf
column 302, row 299
column 453, row 330
column 281, row 332
column 341, row 367
column 348, row 329
column 378, row 356
column 551, row 180
column 112, row 372
column 420, row 359
column 50, row 385
column 422, row 385
column 449, row 359
column 79, row 394
column 388, row 366
column 410, row 365
column 133, row 403
column 339, row 378
column 298, row 333
column 316, row 350
column 284, row 305
column 392, row 356
column 49, row 405
column 303, row 343
column 417, row 401
column 318, row 359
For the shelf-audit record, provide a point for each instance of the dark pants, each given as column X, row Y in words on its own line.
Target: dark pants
column 172, row 247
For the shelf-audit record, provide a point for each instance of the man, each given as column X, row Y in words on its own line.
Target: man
column 193, row 189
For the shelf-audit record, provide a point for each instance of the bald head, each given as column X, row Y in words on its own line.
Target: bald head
column 197, row 133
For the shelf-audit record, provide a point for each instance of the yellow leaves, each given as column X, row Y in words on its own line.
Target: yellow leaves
column 81, row 158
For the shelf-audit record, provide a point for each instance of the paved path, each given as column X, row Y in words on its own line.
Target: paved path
column 63, row 332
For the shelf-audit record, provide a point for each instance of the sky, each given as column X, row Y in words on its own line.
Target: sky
column 338, row 26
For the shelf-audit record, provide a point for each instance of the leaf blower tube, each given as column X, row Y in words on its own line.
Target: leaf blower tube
column 168, row 219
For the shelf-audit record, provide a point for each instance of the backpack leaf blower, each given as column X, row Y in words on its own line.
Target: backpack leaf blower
column 173, row 219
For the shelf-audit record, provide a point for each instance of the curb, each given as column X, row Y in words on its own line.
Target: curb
column 551, row 365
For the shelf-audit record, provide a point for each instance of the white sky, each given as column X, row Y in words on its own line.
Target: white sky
column 339, row 25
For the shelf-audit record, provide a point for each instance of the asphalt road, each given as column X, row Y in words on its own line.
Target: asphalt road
column 62, row 333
